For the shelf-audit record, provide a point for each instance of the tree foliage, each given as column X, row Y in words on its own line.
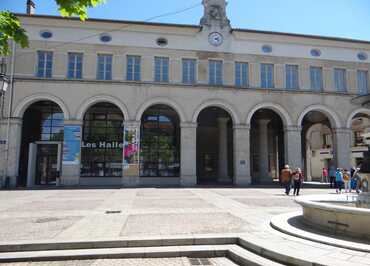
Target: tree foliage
column 11, row 28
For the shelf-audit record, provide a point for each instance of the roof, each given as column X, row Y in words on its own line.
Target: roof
column 197, row 27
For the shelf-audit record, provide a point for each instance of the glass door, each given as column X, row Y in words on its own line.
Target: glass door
column 47, row 164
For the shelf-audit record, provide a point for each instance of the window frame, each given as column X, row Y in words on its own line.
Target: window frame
column 366, row 81
column 340, row 80
column 75, row 65
column 292, row 82
column 162, row 74
column 105, row 68
column 47, row 72
column 136, row 68
column 241, row 80
column 188, row 79
column 313, row 79
column 218, row 81
column 262, row 76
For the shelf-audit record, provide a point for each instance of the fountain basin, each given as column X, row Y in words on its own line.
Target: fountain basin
column 332, row 214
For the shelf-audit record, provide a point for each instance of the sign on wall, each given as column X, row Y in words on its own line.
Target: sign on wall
column 131, row 151
column 71, row 145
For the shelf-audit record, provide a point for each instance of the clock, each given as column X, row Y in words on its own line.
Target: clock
column 215, row 38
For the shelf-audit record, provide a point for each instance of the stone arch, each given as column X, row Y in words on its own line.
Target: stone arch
column 28, row 101
column 217, row 103
column 284, row 115
column 354, row 113
column 98, row 99
column 161, row 100
column 332, row 116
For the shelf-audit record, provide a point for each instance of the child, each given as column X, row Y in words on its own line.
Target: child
column 347, row 181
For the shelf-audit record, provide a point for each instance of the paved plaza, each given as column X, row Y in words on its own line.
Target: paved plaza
column 113, row 214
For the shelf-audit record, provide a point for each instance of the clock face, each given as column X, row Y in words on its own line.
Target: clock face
column 215, row 38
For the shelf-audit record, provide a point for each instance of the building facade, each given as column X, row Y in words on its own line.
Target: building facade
column 106, row 102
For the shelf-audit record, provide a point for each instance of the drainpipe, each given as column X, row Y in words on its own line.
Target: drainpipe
column 11, row 94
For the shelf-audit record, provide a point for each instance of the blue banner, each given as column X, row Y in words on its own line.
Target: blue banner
column 72, row 145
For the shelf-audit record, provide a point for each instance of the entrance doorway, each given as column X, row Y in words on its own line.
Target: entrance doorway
column 214, row 147
column 44, row 163
column 47, row 164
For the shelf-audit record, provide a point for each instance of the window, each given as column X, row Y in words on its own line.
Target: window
column 102, row 146
column 46, row 34
column 241, row 75
column 188, row 71
column 316, row 78
column 267, row 75
column 291, row 75
column 358, row 138
column 315, row 52
column 161, row 65
column 105, row 37
column 215, row 72
column 45, row 64
column 133, row 68
column 75, row 65
column 267, row 48
column 327, row 141
column 104, row 67
column 340, row 79
column 160, row 142
column 362, row 82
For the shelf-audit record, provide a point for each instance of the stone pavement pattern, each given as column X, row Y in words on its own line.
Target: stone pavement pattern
column 100, row 214
column 135, row 262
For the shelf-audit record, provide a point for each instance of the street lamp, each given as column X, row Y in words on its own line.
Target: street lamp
column 4, row 80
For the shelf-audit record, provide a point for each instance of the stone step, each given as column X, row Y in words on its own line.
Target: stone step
column 232, row 252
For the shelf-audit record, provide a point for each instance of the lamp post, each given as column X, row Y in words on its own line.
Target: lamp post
column 4, row 80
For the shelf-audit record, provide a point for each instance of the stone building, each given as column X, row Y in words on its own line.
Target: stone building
column 106, row 102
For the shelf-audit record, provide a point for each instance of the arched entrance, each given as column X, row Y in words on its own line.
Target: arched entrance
column 160, row 142
column 41, row 146
column 360, row 136
column 317, row 144
column 102, row 141
column 267, row 146
column 214, row 146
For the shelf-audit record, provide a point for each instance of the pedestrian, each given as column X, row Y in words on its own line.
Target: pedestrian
column 298, row 179
column 324, row 177
column 332, row 174
column 357, row 180
column 338, row 180
column 286, row 178
column 347, row 181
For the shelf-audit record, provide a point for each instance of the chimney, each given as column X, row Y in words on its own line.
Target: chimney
column 30, row 7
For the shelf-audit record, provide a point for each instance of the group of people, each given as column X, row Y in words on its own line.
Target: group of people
column 289, row 176
column 340, row 178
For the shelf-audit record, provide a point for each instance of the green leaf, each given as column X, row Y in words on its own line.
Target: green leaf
column 78, row 8
column 10, row 29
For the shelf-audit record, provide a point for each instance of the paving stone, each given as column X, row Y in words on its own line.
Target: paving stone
column 59, row 205
column 188, row 223
column 182, row 203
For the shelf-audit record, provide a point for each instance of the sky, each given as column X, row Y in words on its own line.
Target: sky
column 336, row 18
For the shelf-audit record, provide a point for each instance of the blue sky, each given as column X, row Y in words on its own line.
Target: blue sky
column 338, row 18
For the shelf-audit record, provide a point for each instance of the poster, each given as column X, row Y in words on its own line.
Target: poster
column 131, row 151
column 72, row 145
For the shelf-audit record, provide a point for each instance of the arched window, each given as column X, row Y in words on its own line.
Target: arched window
column 102, row 141
column 160, row 142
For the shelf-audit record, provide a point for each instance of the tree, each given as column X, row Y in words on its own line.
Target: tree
column 11, row 28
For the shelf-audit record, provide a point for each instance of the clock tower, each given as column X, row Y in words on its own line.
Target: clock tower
column 215, row 23
column 215, row 14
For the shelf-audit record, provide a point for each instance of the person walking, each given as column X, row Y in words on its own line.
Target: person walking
column 324, row 177
column 332, row 174
column 338, row 180
column 286, row 178
column 298, row 179
column 347, row 181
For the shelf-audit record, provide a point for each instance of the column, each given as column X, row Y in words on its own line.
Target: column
column 223, row 163
column 242, row 170
column 10, row 149
column 263, row 161
column 342, row 147
column 71, row 157
column 293, row 146
column 188, row 154
column 131, row 151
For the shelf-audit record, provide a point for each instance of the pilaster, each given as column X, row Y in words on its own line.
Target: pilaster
column 188, row 154
column 293, row 146
column 242, row 160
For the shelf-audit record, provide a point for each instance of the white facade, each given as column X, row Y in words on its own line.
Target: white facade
column 252, row 157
